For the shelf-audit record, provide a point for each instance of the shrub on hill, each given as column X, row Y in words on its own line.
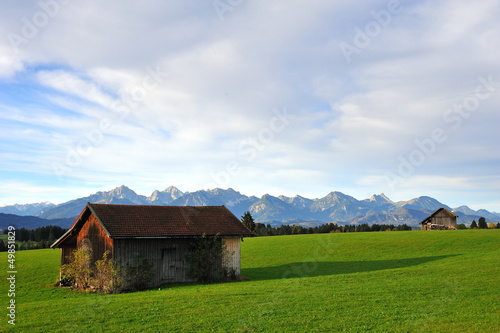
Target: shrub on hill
column 106, row 277
column 77, row 272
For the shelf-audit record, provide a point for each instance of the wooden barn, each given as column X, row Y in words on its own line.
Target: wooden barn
column 441, row 219
column 160, row 234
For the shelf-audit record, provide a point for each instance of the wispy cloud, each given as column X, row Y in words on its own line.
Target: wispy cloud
column 70, row 83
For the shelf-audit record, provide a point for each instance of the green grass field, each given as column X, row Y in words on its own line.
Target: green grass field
column 439, row 281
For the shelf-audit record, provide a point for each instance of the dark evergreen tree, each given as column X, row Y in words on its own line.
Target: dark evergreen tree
column 248, row 221
column 482, row 223
column 473, row 225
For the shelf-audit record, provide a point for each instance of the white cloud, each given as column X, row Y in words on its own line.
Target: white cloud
column 9, row 64
column 351, row 122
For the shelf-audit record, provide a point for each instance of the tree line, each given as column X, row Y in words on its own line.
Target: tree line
column 480, row 224
column 43, row 237
column 261, row 229
column 39, row 238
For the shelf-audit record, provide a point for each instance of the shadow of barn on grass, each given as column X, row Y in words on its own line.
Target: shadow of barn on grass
column 319, row 268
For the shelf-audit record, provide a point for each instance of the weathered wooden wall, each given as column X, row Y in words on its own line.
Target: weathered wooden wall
column 232, row 255
column 168, row 256
column 442, row 218
column 93, row 237
column 66, row 252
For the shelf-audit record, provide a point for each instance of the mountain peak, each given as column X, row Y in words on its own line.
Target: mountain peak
column 382, row 195
column 171, row 189
column 464, row 209
column 381, row 198
column 220, row 191
column 122, row 191
column 269, row 197
column 422, row 202
column 164, row 197
column 337, row 196
column 122, row 188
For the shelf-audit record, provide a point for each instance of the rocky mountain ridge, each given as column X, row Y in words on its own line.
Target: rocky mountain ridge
column 334, row 207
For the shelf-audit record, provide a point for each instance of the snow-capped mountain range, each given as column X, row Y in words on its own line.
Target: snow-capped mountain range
column 334, row 207
column 26, row 209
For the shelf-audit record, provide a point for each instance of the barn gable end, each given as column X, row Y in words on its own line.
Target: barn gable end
column 93, row 237
column 86, row 233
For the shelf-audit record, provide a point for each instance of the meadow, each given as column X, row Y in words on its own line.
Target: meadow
column 412, row 281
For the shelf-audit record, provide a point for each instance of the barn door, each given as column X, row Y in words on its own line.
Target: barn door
column 169, row 255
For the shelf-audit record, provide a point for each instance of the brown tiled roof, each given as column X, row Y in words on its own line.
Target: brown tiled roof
column 136, row 221
column 163, row 221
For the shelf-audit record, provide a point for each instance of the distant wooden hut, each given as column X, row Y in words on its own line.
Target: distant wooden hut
column 160, row 234
column 441, row 219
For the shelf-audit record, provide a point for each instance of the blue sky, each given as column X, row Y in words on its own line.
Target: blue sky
column 278, row 97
